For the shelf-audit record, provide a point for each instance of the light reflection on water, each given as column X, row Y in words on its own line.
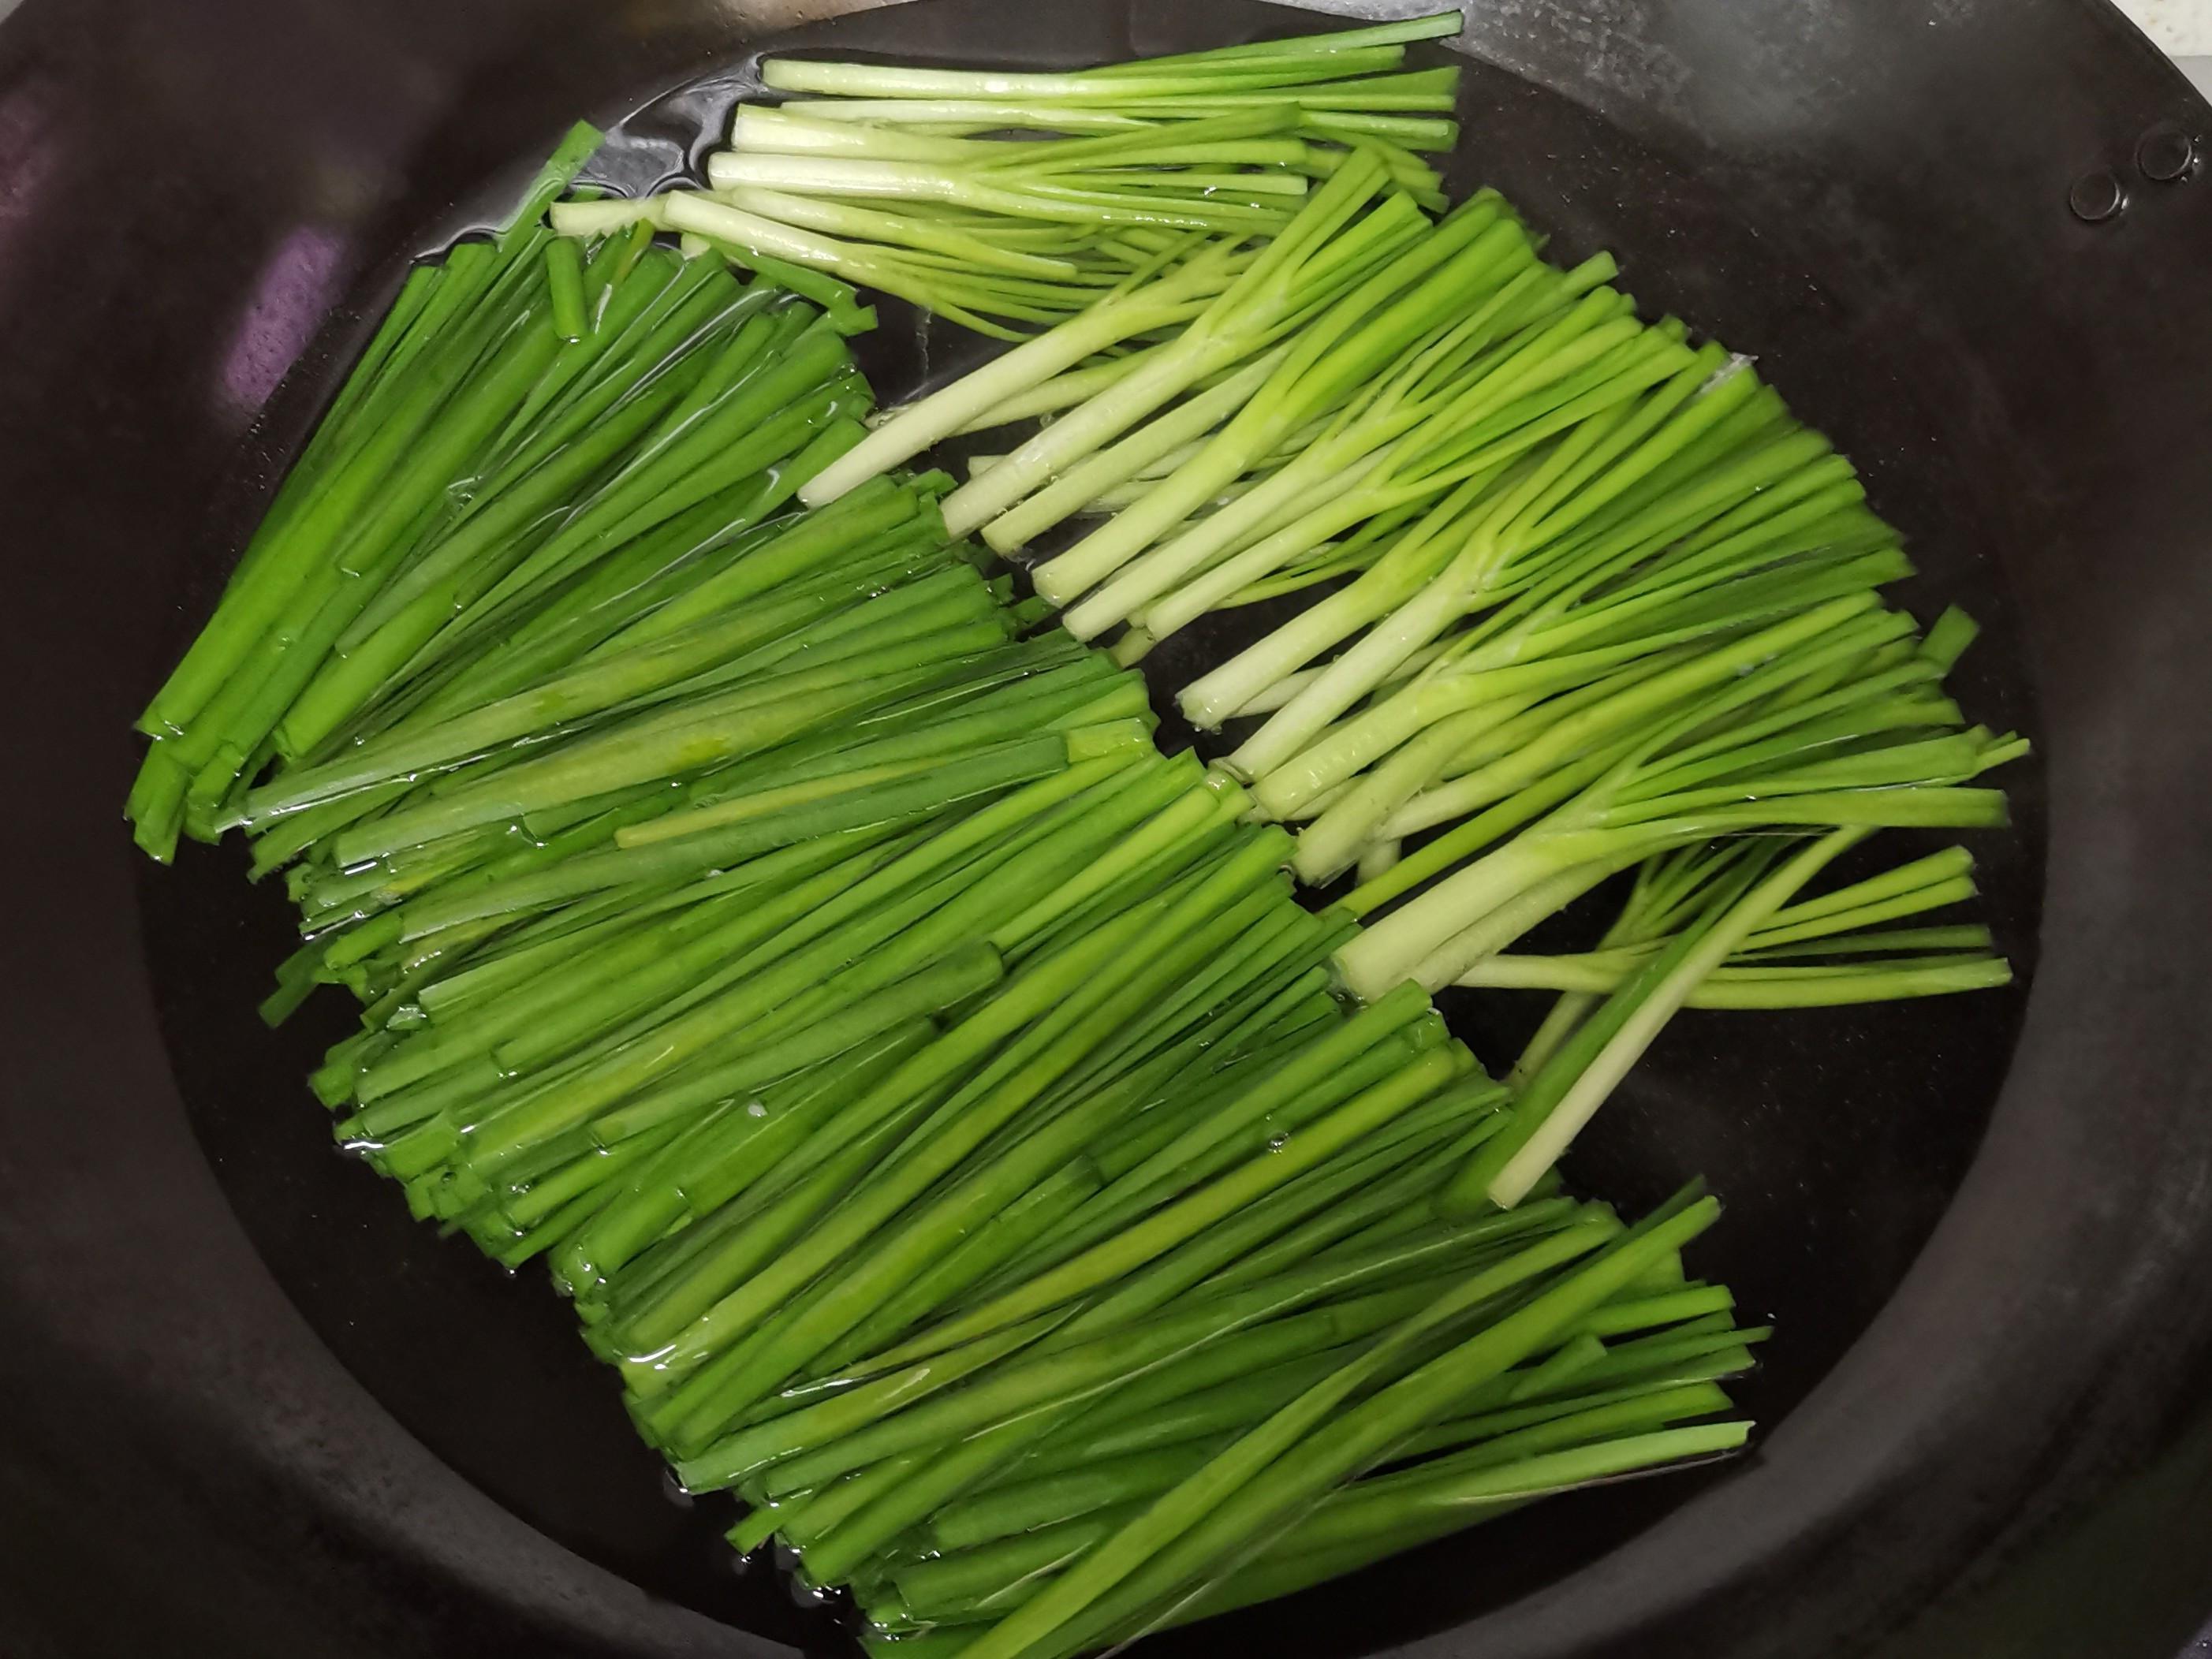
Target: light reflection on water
column 294, row 291
column 28, row 161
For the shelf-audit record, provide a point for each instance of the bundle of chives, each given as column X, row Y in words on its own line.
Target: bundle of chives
column 1679, row 590
column 1672, row 637
column 988, row 301
column 1045, row 1520
column 1363, row 296
column 1458, row 408
column 385, row 834
column 1364, row 1414
column 1339, row 248
column 736, row 1007
column 880, row 176
column 682, row 627
column 1567, row 534
column 1596, row 508
column 1774, row 967
column 449, row 367
column 486, row 459
column 1793, row 726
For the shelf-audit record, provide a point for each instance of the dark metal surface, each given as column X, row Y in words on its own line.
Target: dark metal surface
column 252, row 1409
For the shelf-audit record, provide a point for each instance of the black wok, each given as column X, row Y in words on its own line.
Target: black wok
column 247, row 1408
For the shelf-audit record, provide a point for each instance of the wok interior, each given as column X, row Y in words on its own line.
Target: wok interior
column 1836, row 1137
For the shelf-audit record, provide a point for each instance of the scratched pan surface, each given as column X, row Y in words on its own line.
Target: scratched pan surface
column 253, row 1409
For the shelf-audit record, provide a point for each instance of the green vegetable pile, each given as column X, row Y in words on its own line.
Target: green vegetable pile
column 943, row 1114
column 1592, row 601
column 1086, row 183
